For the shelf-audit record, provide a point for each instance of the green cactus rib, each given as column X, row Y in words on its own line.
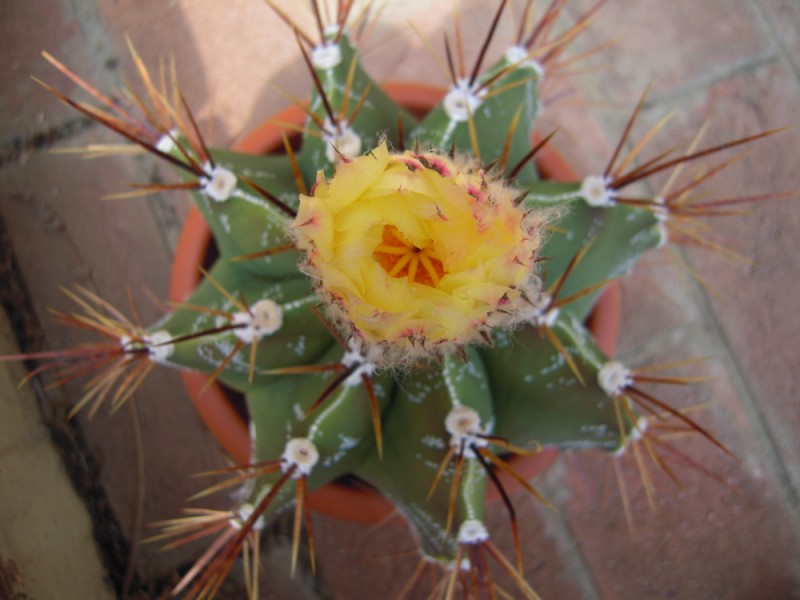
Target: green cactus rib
column 246, row 223
column 507, row 110
column 538, row 397
column 301, row 339
column 612, row 239
column 378, row 116
column 340, row 428
column 415, row 444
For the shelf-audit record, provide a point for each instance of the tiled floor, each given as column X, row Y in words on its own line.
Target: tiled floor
column 732, row 63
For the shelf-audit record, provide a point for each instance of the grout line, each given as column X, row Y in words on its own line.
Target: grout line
column 712, row 77
column 102, row 49
column 765, row 441
column 772, row 33
column 580, row 571
column 99, row 46
column 15, row 149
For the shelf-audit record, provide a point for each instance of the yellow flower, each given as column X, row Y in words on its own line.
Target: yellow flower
column 416, row 253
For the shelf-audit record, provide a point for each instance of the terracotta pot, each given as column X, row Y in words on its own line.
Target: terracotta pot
column 350, row 499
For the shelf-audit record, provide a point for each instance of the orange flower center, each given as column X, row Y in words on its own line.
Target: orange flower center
column 400, row 258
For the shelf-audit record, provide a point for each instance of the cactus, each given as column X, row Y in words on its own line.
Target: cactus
column 399, row 299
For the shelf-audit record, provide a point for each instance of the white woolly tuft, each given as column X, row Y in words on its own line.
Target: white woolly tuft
column 345, row 142
column 326, row 56
column 220, row 184
column 159, row 346
column 244, row 512
column 536, row 310
column 547, row 318
column 166, row 143
column 355, row 357
column 300, row 453
column 464, row 426
column 463, row 420
column 265, row 318
column 461, row 101
column 518, row 55
column 613, row 377
column 472, row 531
column 595, row 191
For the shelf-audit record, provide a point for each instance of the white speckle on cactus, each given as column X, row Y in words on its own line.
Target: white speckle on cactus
column 417, row 398
column 462, row 101
column 343, row 141
column 663, row 235
column 326, row 56
column 518, row 55
column 426, row 523
column 348, row 442
column 265, row 318
column 219, row 184
column 581, row 445
column 295, row 304
column 660, row 210
column 613, row 377
column 432, row 441
column 225, row 221
column 501, row 339
column 336, row 457
column 598, row 430
column 253, row 430
column 299, row 345
column 557, row 361
column 642, row 238
column 661, row 213
column 637, row 433
column 596, row 192
column 448, row 381
column 472, row 531
column 354, row 357
column 300, row 453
